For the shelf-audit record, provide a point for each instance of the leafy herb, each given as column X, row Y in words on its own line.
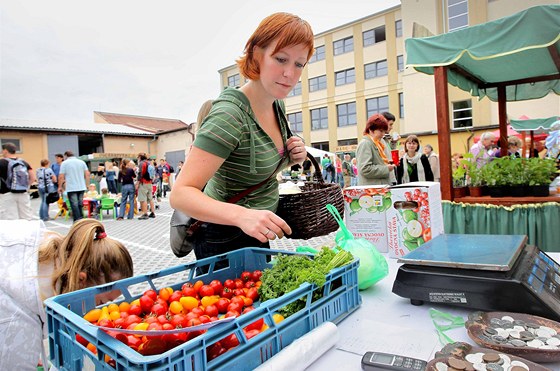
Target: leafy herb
column 290, row 271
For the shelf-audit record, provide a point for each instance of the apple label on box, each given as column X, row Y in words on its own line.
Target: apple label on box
column 364, row 211
column 414, row 217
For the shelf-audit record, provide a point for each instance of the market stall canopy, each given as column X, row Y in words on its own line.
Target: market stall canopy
column 537, row 125
column 521, row 51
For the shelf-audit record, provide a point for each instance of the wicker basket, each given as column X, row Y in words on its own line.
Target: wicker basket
column 306, row 212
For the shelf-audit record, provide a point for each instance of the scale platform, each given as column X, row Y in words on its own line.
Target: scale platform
column 484, row 272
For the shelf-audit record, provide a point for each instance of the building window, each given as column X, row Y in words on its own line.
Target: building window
column 319, row 118
column 375, row 69
column 296, row 90
column 233, row 81
column 401, row 105
column 398, row 28
column 324, row 146
column 400, row 63
column 343, row 46
column 374, row 36
column 318, row 83
column 296, row 122
column 347, row 142
column 457, row 14
column 346, row 114
column 319, row 54
column 462, row 114
column 14, row 141
column 345, row 77
column 377, row 105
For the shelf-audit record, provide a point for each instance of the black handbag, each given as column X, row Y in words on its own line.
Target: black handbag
column 52, row 195
column 183, row 227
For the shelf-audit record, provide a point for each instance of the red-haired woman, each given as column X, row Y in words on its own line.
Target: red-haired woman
column 243, row 141
column 373, row 165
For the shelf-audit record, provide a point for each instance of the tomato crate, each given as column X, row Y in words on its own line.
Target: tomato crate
column 65, row 320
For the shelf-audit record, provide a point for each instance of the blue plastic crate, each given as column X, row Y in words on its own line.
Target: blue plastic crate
column 65, row 312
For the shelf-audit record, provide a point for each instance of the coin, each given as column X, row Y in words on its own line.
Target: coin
column 456, row 363
column 491, row 357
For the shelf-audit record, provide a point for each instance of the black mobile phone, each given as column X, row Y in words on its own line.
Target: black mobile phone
column 377, row 361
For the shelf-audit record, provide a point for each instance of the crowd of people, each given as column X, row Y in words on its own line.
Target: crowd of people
column 128, row 184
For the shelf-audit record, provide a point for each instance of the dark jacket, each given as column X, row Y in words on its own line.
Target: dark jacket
column 429, row 175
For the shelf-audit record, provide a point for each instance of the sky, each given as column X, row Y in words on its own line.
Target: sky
column 61, row 60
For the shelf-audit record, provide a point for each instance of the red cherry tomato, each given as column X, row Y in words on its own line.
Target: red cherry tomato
column 206, row 290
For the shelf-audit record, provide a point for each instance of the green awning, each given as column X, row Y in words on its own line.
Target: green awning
column 510, row 49
column 539, row 125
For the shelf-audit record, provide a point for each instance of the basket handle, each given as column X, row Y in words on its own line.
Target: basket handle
column 317, row 175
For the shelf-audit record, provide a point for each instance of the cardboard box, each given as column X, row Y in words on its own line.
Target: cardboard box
column 365, row 208
column 414, row 217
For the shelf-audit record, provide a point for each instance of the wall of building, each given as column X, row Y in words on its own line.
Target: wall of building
column 33, row 145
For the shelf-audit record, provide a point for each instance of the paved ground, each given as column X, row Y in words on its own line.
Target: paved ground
column 148, row 240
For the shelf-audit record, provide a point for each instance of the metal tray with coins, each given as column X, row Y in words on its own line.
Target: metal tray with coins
column 463, row 356
column 531, row 337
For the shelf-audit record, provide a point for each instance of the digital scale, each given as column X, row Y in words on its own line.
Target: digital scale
column 485, row 272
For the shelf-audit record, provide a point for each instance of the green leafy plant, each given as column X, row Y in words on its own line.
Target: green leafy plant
column 459, row 176
column 540, row 171
column 473, row 172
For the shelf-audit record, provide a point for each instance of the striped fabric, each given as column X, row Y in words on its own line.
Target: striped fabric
column 231, row 131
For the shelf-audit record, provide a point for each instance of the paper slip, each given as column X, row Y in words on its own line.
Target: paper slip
column 366, row 335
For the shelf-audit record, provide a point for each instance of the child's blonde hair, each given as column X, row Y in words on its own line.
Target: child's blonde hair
column 86, row 248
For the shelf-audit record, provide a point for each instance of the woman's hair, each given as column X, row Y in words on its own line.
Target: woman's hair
column 376, row 122
column 124, row 164
column 414, row 139
column 108, row 165
column 44, row 162
column 514, row 141
column 287, row 28
column 203, row 112
column 86, row 248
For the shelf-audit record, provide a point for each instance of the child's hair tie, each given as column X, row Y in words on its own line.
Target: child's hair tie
column 100, row 235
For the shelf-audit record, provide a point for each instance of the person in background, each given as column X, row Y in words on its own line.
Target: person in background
column 126, row 177
column 244, row 141
column 434, row 161
column 92, row 192
column 45, row 181
column 414, row 166
column 391, row 141
column 373, row 163
column 14, row 204
column 347, row 171
column 74, row 179
column 111, row 174
column 36, row 265
column 58, row 158
column 144, row 188
column 482, row 150
column 179, row 167
column 540, row 149
column 339, row 177
column 514, row 145
column 325, row 162
column 354, row 179
column 104, row 194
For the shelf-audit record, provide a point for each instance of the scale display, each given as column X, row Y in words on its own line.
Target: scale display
column 485, row 272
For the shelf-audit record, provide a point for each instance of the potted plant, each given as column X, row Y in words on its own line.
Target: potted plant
column 494, row 175
column 517, row 176
column 473, row 175
column 540, row 173
column 459, row 183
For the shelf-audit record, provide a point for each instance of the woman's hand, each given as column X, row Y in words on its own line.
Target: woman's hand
column 391, row 167
column 263, row 225
column 296, row 150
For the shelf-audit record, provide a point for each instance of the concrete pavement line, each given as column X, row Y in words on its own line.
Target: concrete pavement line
column 60, row 224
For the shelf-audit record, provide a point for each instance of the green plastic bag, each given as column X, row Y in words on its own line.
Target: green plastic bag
column 373, row 265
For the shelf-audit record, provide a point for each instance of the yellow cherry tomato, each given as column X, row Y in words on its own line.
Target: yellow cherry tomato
column 277, row 317
column 175, row 307
column 93, row 315
column 209, row 300
column 124, row 306
column 188, row 302
column 113, row 307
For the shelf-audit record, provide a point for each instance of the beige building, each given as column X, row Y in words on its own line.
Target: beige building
column 358, row 69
